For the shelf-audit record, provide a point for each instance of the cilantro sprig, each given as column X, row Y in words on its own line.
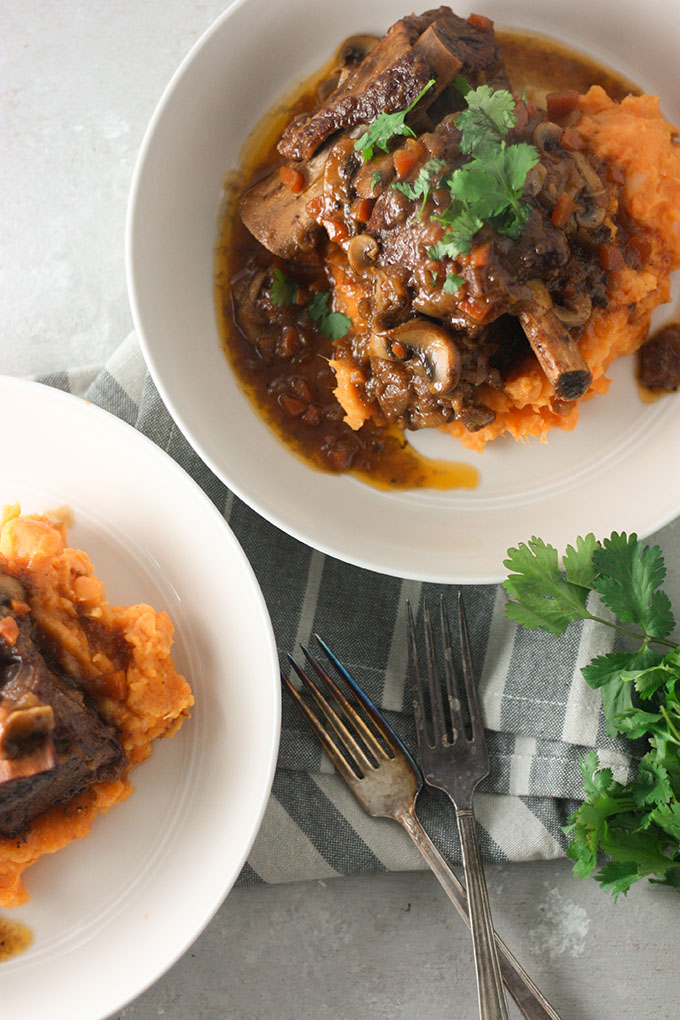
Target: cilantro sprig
column 387, row 126
column 333, row 325
column 637, row 824
column 283, row 290
column 422, row 185
column 488, row 188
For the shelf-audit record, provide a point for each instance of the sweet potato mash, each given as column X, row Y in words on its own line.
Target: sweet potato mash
column 118, row 655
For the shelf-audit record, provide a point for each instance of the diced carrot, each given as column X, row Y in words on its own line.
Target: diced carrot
column 563, row 208
column 292, row 178
column 361, row 209
column 480, row 22
column 9, row 630
column 404, row 160
column 571, row 140
column 561, row 104
column 20, row 607
column 292, row 406
column 315, row 206
column 641, row 247
column 479, row 256
column 312, row 415
column 336, row 229
column 616, row 173
column 611, row 258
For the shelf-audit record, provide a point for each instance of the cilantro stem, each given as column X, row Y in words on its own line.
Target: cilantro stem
column 641, row 635
column 670, row 724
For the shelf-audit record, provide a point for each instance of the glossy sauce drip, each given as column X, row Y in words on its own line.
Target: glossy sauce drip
column 15, row 938
column 380, row 456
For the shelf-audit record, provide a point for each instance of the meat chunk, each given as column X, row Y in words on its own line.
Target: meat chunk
column 278, row 217
column 437, row 44
column 660, row 360
column 53, row 743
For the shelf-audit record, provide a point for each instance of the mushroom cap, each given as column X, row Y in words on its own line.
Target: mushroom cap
column 428, row 346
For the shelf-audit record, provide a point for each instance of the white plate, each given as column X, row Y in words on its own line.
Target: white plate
column 111, row 912
column 615, row 471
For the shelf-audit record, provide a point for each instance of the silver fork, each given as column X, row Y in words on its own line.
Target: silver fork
column 454, row 762
column 385, row 780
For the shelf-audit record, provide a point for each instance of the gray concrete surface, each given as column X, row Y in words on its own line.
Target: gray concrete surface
column 392, row 948
column 80, row 81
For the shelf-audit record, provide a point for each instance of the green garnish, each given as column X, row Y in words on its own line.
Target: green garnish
column 421, row 186
column 637, row 825
column 462, row 85
column 488, row 188
column 330, row 324
column 283, row 289
column 387, row 126
column 452, row 283
column 375, row 180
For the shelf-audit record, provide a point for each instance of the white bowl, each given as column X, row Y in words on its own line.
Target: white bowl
column 577, row 482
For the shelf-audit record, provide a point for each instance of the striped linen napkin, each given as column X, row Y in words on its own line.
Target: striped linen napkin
column 541, row 716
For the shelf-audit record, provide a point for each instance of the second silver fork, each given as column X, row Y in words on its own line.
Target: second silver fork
column 454, row 762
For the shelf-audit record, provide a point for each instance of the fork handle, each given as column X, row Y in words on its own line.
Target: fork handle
column 489, row 984
column 532, row 1004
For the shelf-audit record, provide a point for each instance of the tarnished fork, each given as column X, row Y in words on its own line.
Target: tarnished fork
column 456, row 762
column 385, row 780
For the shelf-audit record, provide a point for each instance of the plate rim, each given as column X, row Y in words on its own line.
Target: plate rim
column 35, row 390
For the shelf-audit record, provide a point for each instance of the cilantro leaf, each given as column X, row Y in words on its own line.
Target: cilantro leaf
column 330, row 324
column 375, row 180
column 452, row 283
column 421, row 186
column 545, row 598
column 387, row 126
column 457, row 240
column 578, row 561
column 462, row 85
column 628, row 576
column 617, row 877
column 283, row 289
column 652, row 785
column 488, row 118
column 667, row 817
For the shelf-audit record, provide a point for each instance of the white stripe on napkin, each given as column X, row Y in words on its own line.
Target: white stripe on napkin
column 301, row 859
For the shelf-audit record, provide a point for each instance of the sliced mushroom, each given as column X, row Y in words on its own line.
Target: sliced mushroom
column 547, row 136
column 428, row 346
column 589, row 215
column 362, row 251
column 22, row 726
column 593, row 182
column 390, row 299
column 354, row 49
column 574, row 312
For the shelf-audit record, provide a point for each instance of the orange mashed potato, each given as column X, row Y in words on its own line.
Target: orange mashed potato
column 121, row 655
column 635, row 136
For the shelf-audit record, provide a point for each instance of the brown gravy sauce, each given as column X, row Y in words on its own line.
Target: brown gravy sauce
column 384, row 457
column 15, row 938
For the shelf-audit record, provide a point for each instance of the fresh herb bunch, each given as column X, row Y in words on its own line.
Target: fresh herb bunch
column 387, row 126
column 487, row 189
column 637, row 825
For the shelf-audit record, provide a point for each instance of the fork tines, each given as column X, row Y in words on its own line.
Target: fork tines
column 359, row 737
column 446, row 727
